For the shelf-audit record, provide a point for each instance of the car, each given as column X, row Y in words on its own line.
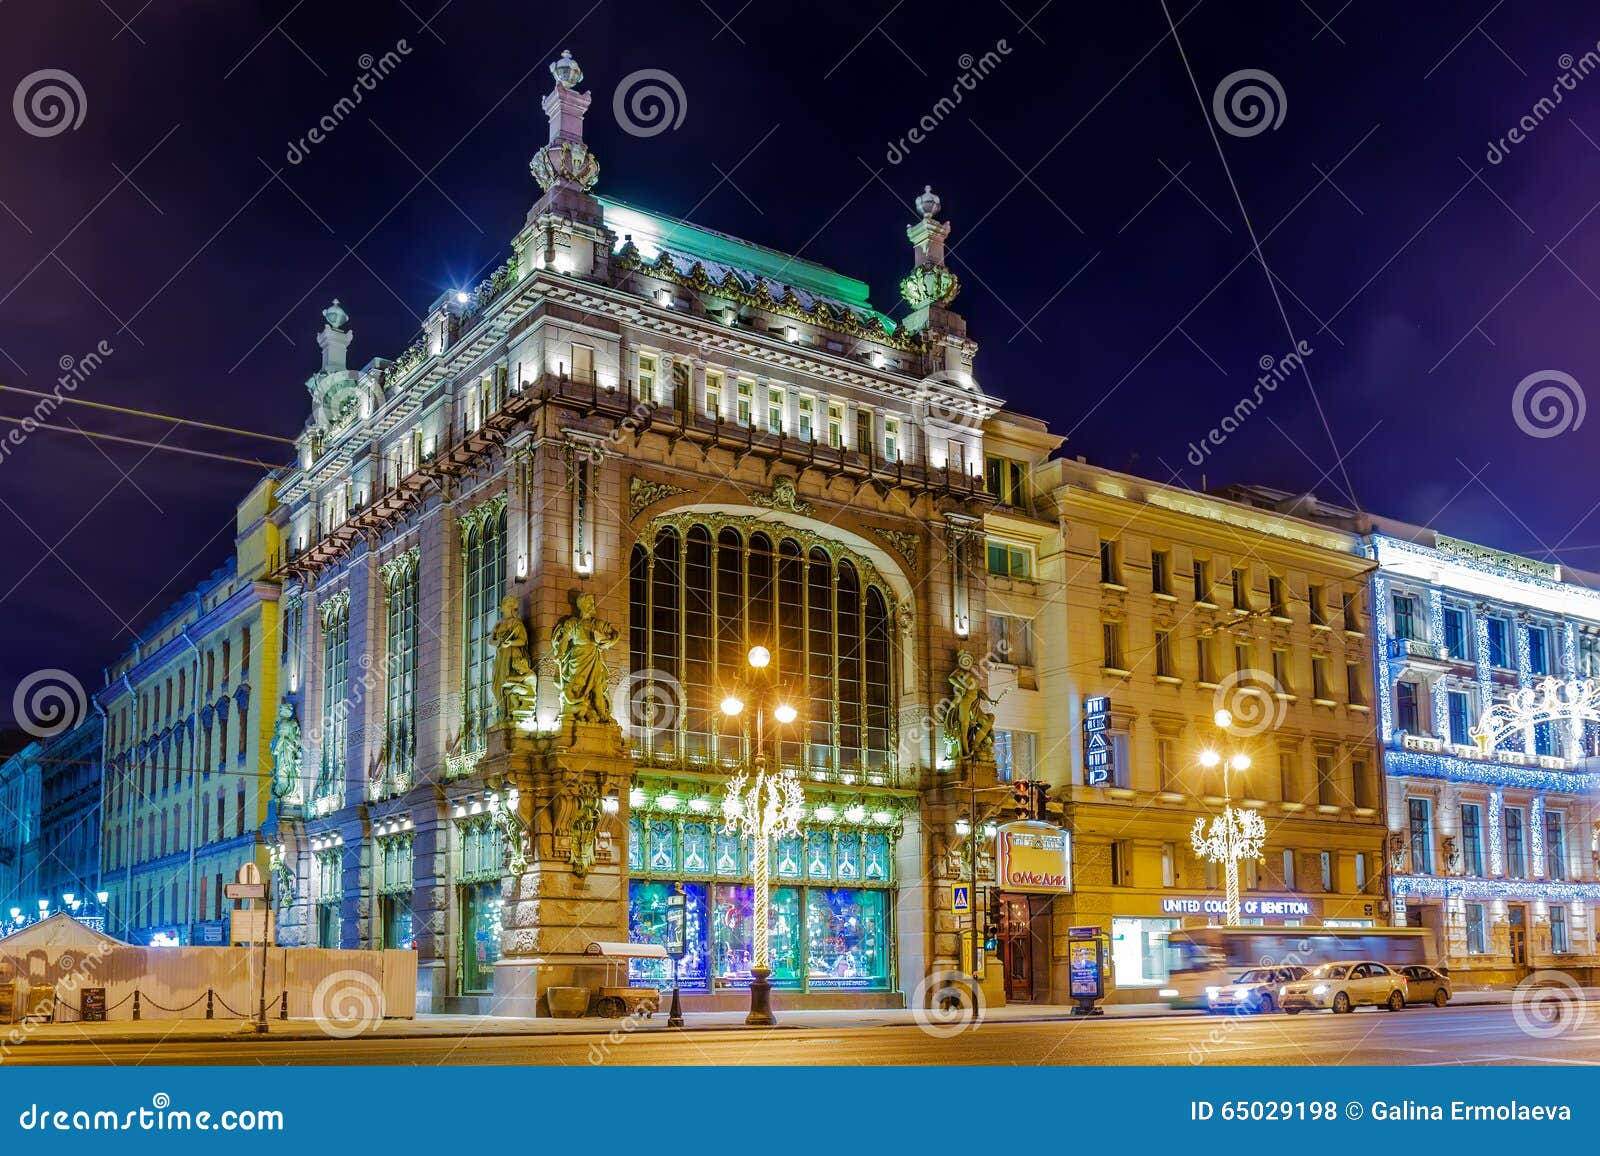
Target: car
column 1427, row 984
column 1344, row 986
column 1255, row 990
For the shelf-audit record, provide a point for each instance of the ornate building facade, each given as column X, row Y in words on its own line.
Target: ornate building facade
column 188, row 716
column 528, row 560
column 1488, row 726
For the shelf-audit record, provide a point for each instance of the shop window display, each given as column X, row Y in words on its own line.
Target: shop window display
column 847, row 941
column 647, row 923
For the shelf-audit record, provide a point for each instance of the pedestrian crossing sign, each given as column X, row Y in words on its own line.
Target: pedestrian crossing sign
column 960, row 898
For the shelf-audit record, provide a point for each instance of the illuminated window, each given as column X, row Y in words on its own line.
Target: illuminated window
column 1472, row 838
column 836, row 426
column 713, row 394
column 335, row 675
column 775, row 415
column 808, row 419
column 746, row 392
column 891, row 439
column 400, row 670
column 649, row 370
column 1008, row 560
column 483, row 555
column 1010, row 640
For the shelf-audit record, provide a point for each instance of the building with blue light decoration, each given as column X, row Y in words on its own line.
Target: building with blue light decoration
column 1488, row 747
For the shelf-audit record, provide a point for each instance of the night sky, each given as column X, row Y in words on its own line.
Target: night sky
column 1108, row 272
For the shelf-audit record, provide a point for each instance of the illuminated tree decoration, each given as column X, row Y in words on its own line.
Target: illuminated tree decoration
column 1234, row 836
column 764, row 808
column 1577, row 700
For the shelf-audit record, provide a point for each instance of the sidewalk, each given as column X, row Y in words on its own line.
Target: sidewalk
column 435, row 1026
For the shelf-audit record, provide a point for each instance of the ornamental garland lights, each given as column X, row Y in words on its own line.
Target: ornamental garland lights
column 1576, row 700
column 1233, row 836
column 1446, row 887
column 769, row 806
column 1418, row 765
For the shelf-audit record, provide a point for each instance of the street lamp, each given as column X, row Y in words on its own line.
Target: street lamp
column 1235, row 834
column 769, row 805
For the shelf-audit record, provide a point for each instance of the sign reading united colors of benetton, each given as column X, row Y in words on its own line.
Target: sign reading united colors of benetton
column 1031, row 856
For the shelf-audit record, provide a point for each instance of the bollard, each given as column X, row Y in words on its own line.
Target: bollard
column 135, row 1003
column 208, row 1004
column 283, row 1008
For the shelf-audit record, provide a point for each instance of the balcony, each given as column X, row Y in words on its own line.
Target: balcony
column 1420, row 655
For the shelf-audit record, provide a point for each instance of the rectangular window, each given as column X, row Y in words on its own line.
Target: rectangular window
column 1011, row 640
column 1111, row 636
column 1202, row 581
column 1121, row 769
column 1009, row 561
column 1560, row 942
column 1515, row 842
column 808, row 419
column 713, row 395
column 955, row 457
column 583, row 364
column 1243, row 657
column 1240, row 582
column 1406, row 715
column 1288, row 869
column 1110, row 562
column 1538, row 650
column 1278, row 596
column 1476, row 939
column 1205, row 655
column 1361, row 870
column 400, row 671
column 836, row 426
column 1455, row 633
column 1327, row 788
column 1555, row 845
column 1460, row 715
column 649, row 372
column 1319, row 678
column 1160, row 572
column 1121, row 863
column 1405, row 616
column 1288, row 777
column 891, row 440
column 1280, row 671
column 1499, row 632
column 1355, row 694
column 335, row 675
column 863, row 431
column 1315, row 606
column 1472, row 839
column 745, row 393
column 1166, row 665
column 1169, row 864
column 1167, row 764
column 1420, row 815
column 1350, row 604
column 1326, row 865
column 775, row 416
column 1006, row 480
column 1014, row 755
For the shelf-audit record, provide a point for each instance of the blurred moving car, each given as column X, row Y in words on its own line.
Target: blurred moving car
column 1345, row 986
column 1427, row 985
column 1253, row 991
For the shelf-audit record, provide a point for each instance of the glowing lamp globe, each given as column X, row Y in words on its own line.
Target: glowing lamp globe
column 731, row 706
column 784, row 713
column 760, row 656
column 1209, row 758
column 1223, row 718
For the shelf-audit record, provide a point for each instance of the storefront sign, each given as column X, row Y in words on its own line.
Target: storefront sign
column 1248, row 908
column 1034, row 857
column 1096, row 740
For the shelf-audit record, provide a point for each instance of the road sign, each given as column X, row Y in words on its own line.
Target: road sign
column 245, row 890
column 248, row 873
column 960, row 898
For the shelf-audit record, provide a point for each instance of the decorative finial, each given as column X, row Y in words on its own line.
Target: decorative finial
column 566, row 71
column 335, row 316
column 928, row 203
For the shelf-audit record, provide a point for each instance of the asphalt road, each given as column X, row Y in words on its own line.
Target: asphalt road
column 1425, row 1036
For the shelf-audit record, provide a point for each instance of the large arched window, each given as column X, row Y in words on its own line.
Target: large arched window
column 483, row 573
column 706, row 588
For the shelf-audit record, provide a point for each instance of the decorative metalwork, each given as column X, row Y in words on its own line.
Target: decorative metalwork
column 1499, row 559
column 484, row 512
column 907, row 542
column 1572, row 701
column 397, row 569
column 642, row 494
column 333, row 607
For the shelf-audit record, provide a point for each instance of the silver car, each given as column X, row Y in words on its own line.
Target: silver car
column 1342, row 987
column 1427, row 985
column 1255, row 990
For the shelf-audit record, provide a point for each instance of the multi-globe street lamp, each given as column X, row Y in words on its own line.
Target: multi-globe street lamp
column 763, row 807
column 1234, row 835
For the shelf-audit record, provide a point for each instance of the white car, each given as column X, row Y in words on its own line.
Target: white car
column 1255, row 990
column 1343, row 987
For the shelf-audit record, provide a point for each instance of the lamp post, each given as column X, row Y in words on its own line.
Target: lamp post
column 1236, row 833
column 769, row 804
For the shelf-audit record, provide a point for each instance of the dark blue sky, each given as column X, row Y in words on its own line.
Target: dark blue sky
column 1426, row 281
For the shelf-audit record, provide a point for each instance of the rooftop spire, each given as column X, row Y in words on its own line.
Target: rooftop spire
column 930, row 283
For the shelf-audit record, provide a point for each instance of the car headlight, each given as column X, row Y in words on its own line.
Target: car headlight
column 1241, row 991
column 1212, row 992
column 1168, row 993
column 1282, row 991
column 1320, row 989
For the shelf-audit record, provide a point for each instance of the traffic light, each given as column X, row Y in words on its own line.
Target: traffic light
column 1022, row 796
column 991, row 931
column 1041, row 800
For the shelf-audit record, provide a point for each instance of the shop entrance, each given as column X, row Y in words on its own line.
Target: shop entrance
column 1024, row 945
column 1517, row 921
